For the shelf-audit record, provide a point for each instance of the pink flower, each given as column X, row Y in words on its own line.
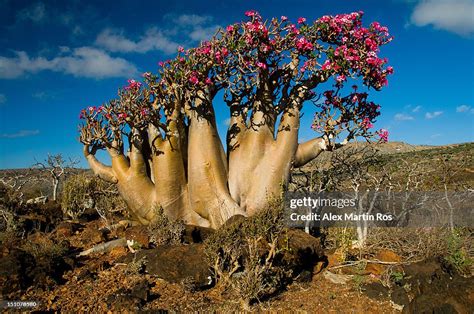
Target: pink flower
column 303, row 44
column 180, row 49
column 294, row 29
column 193, row 79
column 366, row 124
column 261, row 65
column 91, row 109
column 161, row 63
column 284, row 18
column 390, row 70
column 251, row 13
column 224, row 51
column 383, row 134
column 132, row 84
column 122, row 115
column 326, row 65
column 301, row 20
column 341, row 78
column 208, row 81
column 230, row 28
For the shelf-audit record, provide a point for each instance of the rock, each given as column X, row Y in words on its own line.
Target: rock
column 336, row 278
column 302, row 251
column 196, row 234
column 387, row 256
column 138, row 234
column 14, row 270
column 38, row 200
column 176, row 264
column 375, row 290
column 67, row 228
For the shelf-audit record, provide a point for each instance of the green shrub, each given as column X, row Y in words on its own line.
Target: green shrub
column 165, row 231
column 82, row 192
column 243, row 254
column 457, row 257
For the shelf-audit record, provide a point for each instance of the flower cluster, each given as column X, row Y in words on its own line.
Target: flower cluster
column 133, row 85
column 383, row 134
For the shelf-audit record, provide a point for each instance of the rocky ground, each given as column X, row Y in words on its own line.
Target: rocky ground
column 39, row 261
column 45, row 268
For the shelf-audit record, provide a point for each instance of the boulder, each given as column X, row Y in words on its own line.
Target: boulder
column 176, row 264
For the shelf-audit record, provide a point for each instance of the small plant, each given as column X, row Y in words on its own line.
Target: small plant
column 136, row 267
column 457, row 258
column 165, row 231
column 397, row 277
column 359, row 278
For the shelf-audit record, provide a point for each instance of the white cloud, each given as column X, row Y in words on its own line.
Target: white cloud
column 81, row 62
column 154, row 39
column 3, row 99
column 403, row 117
column 188, row 28
column 463, row 108
column 203, row 33
column 452, row 15
column 191, row 19
column 416, row 109
column 432, row 115
column 35, row 13
column 21, row 133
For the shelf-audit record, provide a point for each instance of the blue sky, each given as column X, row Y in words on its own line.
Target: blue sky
column 57, row 57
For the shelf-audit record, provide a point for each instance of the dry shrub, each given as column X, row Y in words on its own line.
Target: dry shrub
column 50, row 258
column 243, row 254
column 339, row 240
column 165, row 231
column 82, row 192
column 415, row 244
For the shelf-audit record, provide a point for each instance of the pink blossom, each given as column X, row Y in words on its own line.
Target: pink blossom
column 366, row 124
column 326, row 65
column 251, row 13
column 301, row 20
column 122, row 115
column 208, row 81
column 161, row 63
column 390, row 70
column 303, row 44
column 230, row 28
column 132, row 84
column 224, row 51
column 91, row 109
column 341, row 78
column 284, row 18
column 180, row 49
column 261, row 65
column 294, row 29
column 193, row 79
column 383, row 134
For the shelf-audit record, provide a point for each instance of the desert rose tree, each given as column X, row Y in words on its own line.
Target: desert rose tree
column 266, row 71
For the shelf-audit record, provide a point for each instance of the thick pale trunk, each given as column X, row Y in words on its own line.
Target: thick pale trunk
column 207, row 174
column 260, row 165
